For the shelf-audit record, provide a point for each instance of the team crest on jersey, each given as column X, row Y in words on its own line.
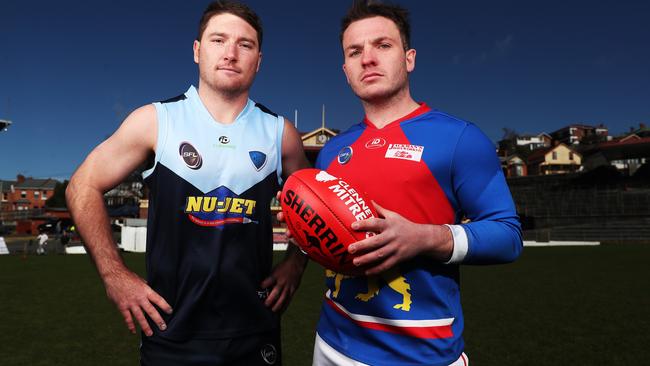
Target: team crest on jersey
column 404, row 152
column 258, row 158
column 344, row 155
column 219, row 208
column 224, row 140
column 190, row 155
column 375, row 143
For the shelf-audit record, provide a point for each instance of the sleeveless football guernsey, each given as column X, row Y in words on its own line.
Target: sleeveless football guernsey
column 209, row 232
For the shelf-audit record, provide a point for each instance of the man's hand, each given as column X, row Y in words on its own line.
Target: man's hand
column 280, row 215
column 133, row 297
column 397, row 240
column 285, row 279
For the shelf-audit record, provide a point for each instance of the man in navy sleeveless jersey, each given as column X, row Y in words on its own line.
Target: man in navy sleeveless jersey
column 218, row 158
column 444, row 202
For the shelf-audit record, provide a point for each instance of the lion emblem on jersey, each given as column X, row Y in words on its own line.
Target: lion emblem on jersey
column 393, row 278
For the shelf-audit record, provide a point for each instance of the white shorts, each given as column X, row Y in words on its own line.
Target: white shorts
column 325, row 355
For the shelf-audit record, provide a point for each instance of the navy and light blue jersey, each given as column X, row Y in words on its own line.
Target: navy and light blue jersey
column 209, row 232
column 432, row 169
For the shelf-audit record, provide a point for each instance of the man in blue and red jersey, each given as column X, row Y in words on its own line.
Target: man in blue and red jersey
column 426, row 171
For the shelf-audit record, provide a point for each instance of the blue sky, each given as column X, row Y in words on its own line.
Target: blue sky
column 71, row 71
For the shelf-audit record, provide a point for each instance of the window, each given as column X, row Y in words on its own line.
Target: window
column 570, row 156
column 5, row 196
column 554, row 155
column 44, row 195
column 36, row 194
column 519, row 171
column 23, row 194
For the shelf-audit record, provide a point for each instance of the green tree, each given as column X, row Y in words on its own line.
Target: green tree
column 58, row 198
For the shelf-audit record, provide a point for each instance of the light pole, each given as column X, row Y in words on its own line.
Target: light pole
column 4, row 125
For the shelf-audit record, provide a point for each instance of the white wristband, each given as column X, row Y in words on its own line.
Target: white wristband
column 460, row 244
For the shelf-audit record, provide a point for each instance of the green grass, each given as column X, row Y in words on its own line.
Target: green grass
column 555, row 306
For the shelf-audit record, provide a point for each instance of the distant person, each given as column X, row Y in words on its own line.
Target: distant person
column 218, row 158
column 42, row 242
column 426, row 171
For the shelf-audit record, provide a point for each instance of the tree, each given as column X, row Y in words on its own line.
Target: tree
column 58, row 198
column 508, row 143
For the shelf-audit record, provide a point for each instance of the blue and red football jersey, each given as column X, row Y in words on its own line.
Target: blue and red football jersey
column 431, row 168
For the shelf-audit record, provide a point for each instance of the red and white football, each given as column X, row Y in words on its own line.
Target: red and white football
column 319, row 209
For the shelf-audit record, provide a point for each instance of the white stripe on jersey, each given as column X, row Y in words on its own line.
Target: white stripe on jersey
column 325, row 355
column 393, row 322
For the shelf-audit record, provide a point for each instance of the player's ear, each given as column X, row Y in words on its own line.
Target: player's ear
column 410, row 60
column 345, row 71
column 259, row 62
column 195, row 47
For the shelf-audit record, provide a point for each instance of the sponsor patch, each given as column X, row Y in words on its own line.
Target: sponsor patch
column 404, row 152
column 190, row 155
column 344, row 155
column 220, row 207
column 224, row 139
column 258, row 158
column 375, row 143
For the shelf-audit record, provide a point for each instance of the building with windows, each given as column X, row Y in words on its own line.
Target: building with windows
column 514, row 166
column 627, row 153
column 6, row 189
column 577, row 133
column 534, row 142
column 558, row 159
column 26, row 193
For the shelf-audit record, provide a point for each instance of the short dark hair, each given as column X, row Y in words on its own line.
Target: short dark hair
column 362, row 9
column 234, row 8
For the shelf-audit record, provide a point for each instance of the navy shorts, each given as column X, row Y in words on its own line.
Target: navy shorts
column 262, row 349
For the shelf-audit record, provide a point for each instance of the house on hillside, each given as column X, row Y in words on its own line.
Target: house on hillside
column 534, row 141
column 627, row 154
column 514, row 166
column 558, row 159
column 575, row 134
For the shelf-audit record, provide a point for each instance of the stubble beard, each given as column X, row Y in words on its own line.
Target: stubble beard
column 383, row 96
column 230, row 90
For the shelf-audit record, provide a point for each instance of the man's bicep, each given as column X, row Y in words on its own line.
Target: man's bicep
column 119, row 155
column 293, row 153
column 484, row 197
column 479, row 184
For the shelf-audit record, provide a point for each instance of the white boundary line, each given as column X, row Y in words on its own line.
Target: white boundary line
column 553, row 243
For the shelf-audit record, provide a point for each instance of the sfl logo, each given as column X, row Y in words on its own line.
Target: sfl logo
column 190, row 155
column 224, row 139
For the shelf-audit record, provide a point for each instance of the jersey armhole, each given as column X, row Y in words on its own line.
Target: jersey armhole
column 279, row 137
column 161, row 121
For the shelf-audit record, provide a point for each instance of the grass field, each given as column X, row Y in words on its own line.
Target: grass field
column 555, row 306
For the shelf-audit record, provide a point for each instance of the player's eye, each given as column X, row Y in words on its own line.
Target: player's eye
column 354, row 53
